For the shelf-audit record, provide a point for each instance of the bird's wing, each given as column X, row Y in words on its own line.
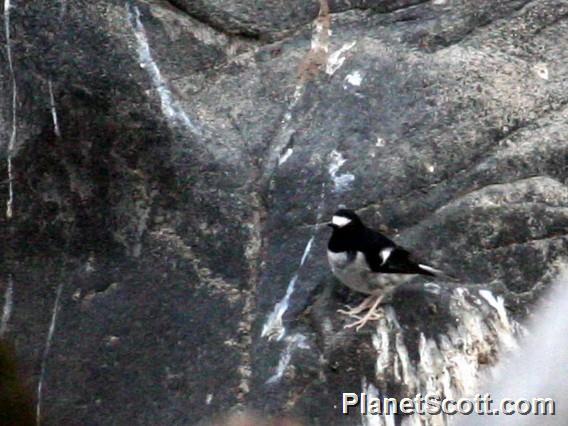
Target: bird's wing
column 397, row 260
column 384, row 256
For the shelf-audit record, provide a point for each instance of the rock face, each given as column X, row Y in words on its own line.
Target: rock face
column 169, row 164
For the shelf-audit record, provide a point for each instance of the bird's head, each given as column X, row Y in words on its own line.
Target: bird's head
column 345, row 219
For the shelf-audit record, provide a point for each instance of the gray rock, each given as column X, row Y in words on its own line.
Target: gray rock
column 173, row 165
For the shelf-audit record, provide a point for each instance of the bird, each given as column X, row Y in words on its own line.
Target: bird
column 369, row 262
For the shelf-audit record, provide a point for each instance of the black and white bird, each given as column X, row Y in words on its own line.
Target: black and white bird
column 370, row 263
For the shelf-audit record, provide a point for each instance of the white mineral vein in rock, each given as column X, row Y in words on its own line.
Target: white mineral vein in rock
column 53, row 110
column 452, row 365
column 319, row 42
column 274, row 328
column 46, row 349
column 381, row 343
column 12, row 142
column 286, row 132
column 371, row 418
column 170, row 107
column 541, row 70
column 408, row 374
column 307, row 251
column 337, row 58
column 320, row 37
column 282, row 159
column 343, row 181
column 8, row 304
column 292, row 343
column 503, row 327
column 355, row 78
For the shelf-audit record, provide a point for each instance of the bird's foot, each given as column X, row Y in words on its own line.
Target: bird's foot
column 353, row 312
column 372, row 315
column 360, row 323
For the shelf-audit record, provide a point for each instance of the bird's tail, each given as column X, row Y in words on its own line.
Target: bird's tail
column 436, row 272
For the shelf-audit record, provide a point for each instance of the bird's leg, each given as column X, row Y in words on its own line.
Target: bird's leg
column 352, row 312
column 369, row 316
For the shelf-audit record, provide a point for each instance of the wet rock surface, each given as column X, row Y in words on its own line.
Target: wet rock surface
column 173, row 164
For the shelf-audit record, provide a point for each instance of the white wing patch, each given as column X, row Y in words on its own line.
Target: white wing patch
column 340, row 221
column 385, row 254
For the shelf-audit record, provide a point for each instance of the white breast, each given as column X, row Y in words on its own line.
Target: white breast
column 355, row 274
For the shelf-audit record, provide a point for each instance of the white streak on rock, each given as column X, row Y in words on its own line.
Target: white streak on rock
column 170, row 107
column 390, row 315
column 293, row 342
column 341, row 182
column 282, row 139
column 53, row 110
column 541, row 70
column 274, row 328
column 396, row 370
column 389, row 419
column 453, row 364
column 8, row 304
column 12, row 142
column 283, row 158
column 337, row 58
column 497, row 303
column 503, row 327
column 318, row 50
column 415, row 421
column 381, row 343
column 307, row 251
column 408, row 374
column 46, row 349
column 371, row 418
column 298, row 92
column 320, row 37
column 355, row 78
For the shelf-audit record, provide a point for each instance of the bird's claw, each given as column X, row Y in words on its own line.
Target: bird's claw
column 350, row 312
column 371, row 315
column 360, row 323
